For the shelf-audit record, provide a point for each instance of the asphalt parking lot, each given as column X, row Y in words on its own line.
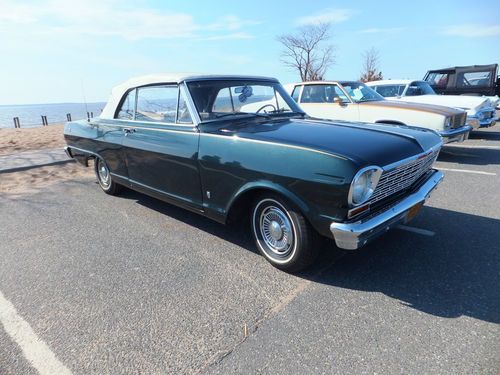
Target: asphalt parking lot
column 94, row 284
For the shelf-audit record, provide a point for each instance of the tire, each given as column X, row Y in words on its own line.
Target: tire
column 104, row 178
column 282, row 234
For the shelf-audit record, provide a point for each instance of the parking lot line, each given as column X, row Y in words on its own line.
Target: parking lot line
column 33, row 347
column 467, row 171
column 423, row 232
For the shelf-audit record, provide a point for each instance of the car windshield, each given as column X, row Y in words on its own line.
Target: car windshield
column 215, row 99
column 390, row 90
column 359, row 92
column 419, row 88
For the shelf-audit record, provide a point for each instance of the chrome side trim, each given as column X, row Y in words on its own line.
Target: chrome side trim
column 193, row 129
column 436, row 147
column 235, row 137
column 148, row 122
column 352, row 236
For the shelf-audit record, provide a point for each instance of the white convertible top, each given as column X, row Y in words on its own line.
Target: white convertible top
column 118, row 91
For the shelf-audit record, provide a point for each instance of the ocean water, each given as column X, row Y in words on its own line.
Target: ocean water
column 30, row 114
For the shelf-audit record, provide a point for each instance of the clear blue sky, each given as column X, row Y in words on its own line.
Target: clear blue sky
column 56, row 50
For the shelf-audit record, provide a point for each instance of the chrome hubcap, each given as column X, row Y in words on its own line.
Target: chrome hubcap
column 276, row 230
column 103, row 172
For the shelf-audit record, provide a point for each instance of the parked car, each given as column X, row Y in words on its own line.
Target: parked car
column 480, row 111
column 184, row 140
column 466, row 80
column 354, row 101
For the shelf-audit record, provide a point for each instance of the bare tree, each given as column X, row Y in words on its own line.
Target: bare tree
column 371, row 66
column 307, row 52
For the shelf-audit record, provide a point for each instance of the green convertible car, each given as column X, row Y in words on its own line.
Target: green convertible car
column 231, row 147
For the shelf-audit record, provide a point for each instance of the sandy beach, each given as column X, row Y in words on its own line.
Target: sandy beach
column 27, row 139
column 30, row 139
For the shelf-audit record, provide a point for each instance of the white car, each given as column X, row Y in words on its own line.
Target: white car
column 480, row 110
column 354, row 101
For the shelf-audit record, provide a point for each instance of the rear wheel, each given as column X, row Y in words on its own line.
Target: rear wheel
column 282, row 234
column 104, row 178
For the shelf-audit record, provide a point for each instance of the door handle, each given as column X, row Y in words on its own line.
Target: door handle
column 128, row 130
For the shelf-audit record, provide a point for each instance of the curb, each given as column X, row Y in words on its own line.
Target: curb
column 24, row 168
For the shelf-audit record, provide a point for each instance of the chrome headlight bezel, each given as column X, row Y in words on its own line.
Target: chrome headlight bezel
column 363, row 185
column 447, row 122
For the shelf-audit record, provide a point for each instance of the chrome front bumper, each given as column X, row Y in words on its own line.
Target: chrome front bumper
column 352, row 236
column 455, row 135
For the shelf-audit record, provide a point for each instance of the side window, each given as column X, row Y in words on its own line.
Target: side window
column 314, row 94
column 474, row 79
column 157, row 103
column 389, row 90
column 183, row 115
column 126, row 111
column 437, row 79
column 295, row 93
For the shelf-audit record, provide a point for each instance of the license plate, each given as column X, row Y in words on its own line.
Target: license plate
column 412, row 212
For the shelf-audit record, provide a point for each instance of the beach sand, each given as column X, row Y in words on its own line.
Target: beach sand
column 36, row 179
column 31, row 181
column 26, row 139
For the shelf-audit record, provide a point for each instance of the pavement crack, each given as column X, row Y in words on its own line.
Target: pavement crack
column 302, row 285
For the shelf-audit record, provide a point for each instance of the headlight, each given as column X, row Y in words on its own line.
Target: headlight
column 447, row 122
column 363, row 185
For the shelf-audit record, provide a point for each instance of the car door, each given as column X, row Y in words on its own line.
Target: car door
column 161, row 146
column 328, row 101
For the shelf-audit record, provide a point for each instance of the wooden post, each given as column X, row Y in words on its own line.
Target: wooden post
column 17, row 124
column 68, row 116
column 44, row 121
column 88, row 116
column 91, row 114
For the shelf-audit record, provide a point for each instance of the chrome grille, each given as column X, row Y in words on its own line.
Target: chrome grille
column 458, row 120
column 402, row 176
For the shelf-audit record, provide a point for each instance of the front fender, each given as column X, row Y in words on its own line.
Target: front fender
column 272, row 187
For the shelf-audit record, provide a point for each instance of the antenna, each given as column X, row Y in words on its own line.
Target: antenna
column 84, row 99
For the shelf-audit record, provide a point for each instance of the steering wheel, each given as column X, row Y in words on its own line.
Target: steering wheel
column 264, row 106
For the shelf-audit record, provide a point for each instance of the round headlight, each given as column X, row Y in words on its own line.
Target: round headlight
column 363, row 185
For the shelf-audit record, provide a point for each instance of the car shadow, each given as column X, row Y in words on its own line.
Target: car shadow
column 453, row 273
column 485, row 135
column 471, row 156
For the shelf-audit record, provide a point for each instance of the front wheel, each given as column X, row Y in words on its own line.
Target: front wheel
column 282, row 234
column 104, row 178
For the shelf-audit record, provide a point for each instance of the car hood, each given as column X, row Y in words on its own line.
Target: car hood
column 363, row 143
column 455, row 101
column 437, row 109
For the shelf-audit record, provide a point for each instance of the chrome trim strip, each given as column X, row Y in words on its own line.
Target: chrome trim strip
column 388, row 167
column 352, row 236
column 235, row 137
column 149, row 122
column 169, row 195
column 194, row 129
column 83, row 150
